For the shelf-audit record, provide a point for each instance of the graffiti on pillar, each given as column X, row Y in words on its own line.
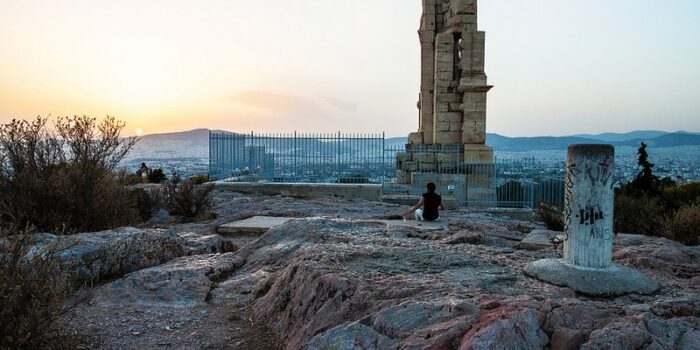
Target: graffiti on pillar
column 589, row 215
column 571, row 171
column 600, row 233
column 603, row 173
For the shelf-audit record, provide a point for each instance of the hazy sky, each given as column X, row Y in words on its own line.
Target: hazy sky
column 559, row 67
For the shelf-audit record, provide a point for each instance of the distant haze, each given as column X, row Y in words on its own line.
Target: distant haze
column 559, row 67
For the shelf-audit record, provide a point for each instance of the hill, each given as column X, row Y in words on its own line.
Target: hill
column 627, row 136
column 196, row 136
column 195, row 143
column 667, row 140
column 504, row 143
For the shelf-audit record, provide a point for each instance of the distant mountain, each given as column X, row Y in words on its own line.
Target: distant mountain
column 667, row 140
column 195, row 136
column 184, row 144
column 504, row 143
column 627, row 136
column 195, row 143
column 395, row 141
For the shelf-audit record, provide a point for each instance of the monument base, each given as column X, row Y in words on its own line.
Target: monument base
column 613, row 281
column 477, row 154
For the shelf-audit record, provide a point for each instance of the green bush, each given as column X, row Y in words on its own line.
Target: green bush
column 678, row 196
column 643, row 215
column 199, row 179
column 63, row 179
column 184, row 198
column 156, row 176
column 684, row 226
column 552, row 216
column 32, row 298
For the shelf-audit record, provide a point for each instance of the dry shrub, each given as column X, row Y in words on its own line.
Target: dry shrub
column 63, row 178
column 552, row 216
column 147, row 202
column 128, row 179
column 157, row 176
column 199, row 179
column 32, row 296
column 643, row 215
column 184, row 198
column 684, row 226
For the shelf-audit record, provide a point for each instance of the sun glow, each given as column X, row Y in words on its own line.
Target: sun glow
column 138, row 132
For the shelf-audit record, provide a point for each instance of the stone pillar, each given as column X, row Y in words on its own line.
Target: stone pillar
column 588, row 214
column 589, row 206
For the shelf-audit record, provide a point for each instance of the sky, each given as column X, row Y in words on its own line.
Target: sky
column 558, row 67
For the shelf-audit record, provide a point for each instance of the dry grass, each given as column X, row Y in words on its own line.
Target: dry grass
column 684, row 226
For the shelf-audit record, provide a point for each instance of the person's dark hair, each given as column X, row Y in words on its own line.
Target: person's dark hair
column 431, row 187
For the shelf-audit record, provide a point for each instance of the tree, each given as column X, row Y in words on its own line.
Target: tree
column 646, row 183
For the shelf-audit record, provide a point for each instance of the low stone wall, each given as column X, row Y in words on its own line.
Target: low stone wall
column 371, row 192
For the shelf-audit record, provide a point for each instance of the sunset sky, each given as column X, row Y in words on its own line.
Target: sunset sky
column 559, row 67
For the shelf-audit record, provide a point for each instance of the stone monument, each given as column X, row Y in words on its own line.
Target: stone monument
column 452, row 100
column 588, row 215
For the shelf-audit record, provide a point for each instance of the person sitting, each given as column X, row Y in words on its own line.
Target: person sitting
column 431, row 203
column 144, row 171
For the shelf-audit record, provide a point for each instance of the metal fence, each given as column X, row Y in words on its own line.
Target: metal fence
column 506, row 183
column 295, row 157
column 366, row 158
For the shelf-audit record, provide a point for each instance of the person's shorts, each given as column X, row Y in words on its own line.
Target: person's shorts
column 419, row 216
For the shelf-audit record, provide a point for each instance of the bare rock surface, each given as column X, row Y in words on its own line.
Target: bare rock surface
column 91, row 257
column 183, row 282
column 337, row 279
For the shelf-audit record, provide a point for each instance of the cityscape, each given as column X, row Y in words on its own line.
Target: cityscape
column 190, row 156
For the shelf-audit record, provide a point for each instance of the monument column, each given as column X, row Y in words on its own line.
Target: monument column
column 449, row 147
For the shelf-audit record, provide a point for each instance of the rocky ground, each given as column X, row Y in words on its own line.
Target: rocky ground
column 336, row 279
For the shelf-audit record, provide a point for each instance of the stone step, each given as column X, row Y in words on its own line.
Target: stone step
column 254, row 226
column 539, row 239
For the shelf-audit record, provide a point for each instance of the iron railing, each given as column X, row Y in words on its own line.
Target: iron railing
column 365, row 158
column 296, row 157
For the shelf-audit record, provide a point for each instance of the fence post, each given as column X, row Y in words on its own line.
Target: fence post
column 211, row 176
column 383, row 165
column 337, row 158
column 532, row 183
